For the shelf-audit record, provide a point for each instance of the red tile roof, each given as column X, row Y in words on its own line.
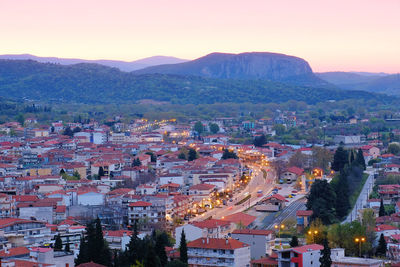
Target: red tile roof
column 211, row 223
column 252, row 232
column 385, row 227
column 307, row 248
column 12, row 252
column 202, row 187
column 304, row 213
column 240, row 218
column 216, row 243
column 140, row 204
column 295, row 170
column 90, row 264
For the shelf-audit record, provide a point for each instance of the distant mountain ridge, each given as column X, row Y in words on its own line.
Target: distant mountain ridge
column 244, row 66
column 122, row 65
column 370, row 82
column 97, row 84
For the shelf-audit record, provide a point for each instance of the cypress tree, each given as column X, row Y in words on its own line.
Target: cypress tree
column 382, row 246
column 192, row 155
column 382, row 211
column 342, row 195
column 58, row 243
column 151, row 259
column 83, row 255
column 340, row 159
column 133, row 245
column 183, row 248
column 361, row 159
column 101, row 172
column 352, row 158
column 67, row 248
column 101, row 246
column 160, row 250
column 325, row 258
column 294, row 242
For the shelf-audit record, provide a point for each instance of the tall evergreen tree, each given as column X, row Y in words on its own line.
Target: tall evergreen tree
column 361, row 159
column 183, row 248
column 352, row 158
column 340, row 159
column 342, row 195
column 67, row 248
column 101, row 172
column 325, row 258
column 134, row 245
column 101, row 246
column 382, row 246
column 151, row 259
column 83, row 255
column 382, row 211
column 58, row 243
column 160, row 250
column 294, row 242
column 192, row 155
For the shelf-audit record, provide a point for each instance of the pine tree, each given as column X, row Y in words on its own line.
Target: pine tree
column 101, row 172
column 340, row 159
column 192, row 154
column 382, row 211
column 294, row 242
column 342, row 195
column 325, row 258
column 183, row 248
column 58, row 243
column 133, row 245
column 382, row 246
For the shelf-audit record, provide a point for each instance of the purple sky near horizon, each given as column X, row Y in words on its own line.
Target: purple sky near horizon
column 341, row 35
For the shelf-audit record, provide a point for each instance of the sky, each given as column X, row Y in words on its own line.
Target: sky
column 332, row 35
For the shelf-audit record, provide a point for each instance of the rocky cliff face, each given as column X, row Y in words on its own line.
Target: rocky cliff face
column 256, row 65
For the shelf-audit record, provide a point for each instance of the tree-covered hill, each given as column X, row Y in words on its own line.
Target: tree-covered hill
column 91, row 83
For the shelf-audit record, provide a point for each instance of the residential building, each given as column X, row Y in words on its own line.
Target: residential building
column 260, row 241
column 218, row 252
column 304, row 256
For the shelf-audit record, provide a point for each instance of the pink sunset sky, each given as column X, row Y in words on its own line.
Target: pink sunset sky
column 345, row 35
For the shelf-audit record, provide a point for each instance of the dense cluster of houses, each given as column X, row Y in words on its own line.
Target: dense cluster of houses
column 52, row 184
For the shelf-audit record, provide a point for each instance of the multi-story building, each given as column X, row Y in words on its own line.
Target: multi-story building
column 7, row 206
column 218, row 252
column 146, row 215
column 304, row 256
column 32, row 232
column 260, row 241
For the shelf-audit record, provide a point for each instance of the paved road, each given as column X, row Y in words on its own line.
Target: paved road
column 288, row 212
column 362, row 199
column 256, row 183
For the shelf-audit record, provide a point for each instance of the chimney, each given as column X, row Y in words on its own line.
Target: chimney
column 226, row 241
column 208, row 240
column 202, row 240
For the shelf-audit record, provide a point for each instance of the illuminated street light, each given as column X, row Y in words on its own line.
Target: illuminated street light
column 313, row 234
column 279, row 227
column 359, row 240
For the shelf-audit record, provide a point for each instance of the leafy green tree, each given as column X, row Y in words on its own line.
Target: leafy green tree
column 176, row 263
column 183, row 248
column 214, row 128
column 68, row 131
column 382, row 211
column 294, row 242
column 382, row 246
column 77, row 175
column 325, row 258
column 58, row 243
column 321, row 200
column 21, row 119
column 394, row 148
column 181, row 156
column 259, row 141
column 192, row 154
column 279, row 129
column 136, row 162
column 340, row 159
column 199, row 127
column 101, row 172
column 229, row 154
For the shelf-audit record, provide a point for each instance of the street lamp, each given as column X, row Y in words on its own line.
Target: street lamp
column 279, row 227
column 313, row 234
column 359, row 240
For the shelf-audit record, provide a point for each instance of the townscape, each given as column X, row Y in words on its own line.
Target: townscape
column 258, row 204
